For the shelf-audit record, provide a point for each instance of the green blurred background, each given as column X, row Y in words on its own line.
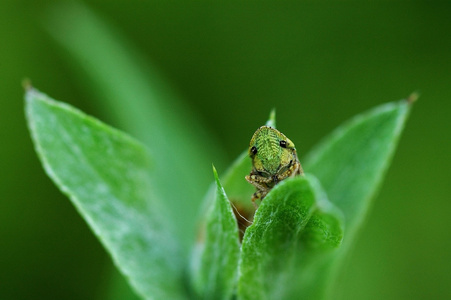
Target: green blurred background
column 317, row 63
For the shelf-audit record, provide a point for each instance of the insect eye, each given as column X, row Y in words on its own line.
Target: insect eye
column 254, row 150
column 283, row 144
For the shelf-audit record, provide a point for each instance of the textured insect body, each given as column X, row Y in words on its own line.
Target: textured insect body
column 273, row 158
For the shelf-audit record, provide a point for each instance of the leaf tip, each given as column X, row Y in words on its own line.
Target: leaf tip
column 30, row 97
column 215, row 173
column 31, row 93
column 413, row 97
column 272, row 119
column 34, row 99
column 26, row 84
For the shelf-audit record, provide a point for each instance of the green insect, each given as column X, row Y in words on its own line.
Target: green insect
column 274, row 158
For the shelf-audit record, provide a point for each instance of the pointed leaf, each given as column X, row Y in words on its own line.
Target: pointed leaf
column 272, row 119
column 352, row 161
column 350, row 165
column 216, row 270
column 106, row 175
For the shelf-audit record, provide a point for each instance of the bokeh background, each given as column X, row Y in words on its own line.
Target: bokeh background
column 317, row 62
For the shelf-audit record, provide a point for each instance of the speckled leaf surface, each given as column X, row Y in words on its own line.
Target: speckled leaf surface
column 294, row 218
column 105, row 173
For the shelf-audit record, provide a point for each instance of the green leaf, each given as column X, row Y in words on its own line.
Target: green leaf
column 239, row 191
column 143, row 104
column 293, row 224
column 272, row 119
column 316, row 247
column 351, row 163
column 215, row 269
column 106, row 175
